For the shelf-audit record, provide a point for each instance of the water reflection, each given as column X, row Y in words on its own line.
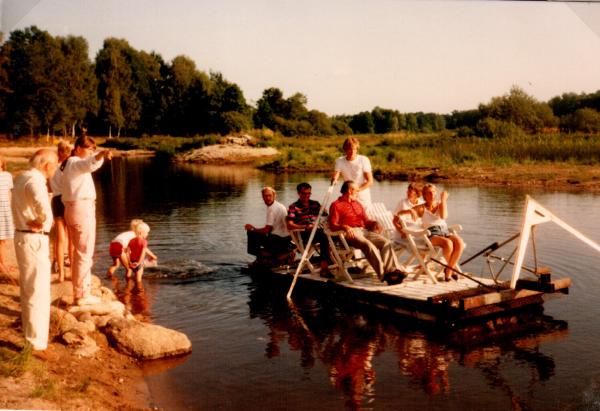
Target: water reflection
column 349, row 342
column 134, row 186
column 135, row 297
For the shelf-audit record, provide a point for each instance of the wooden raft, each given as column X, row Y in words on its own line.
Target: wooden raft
column 445, row 301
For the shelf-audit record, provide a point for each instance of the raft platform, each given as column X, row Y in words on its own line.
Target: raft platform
column 451, row 303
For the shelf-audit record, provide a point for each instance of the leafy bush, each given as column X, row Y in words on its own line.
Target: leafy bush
column 492, row 128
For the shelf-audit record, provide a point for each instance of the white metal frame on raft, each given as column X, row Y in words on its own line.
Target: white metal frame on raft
column 536, row 214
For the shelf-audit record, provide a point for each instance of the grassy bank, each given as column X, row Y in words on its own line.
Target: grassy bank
column 398, row 151
column 562, row 159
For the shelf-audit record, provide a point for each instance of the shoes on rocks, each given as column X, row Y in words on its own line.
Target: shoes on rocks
column 88, row 300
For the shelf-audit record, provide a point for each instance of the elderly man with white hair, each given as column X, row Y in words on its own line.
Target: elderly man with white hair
column 33, row 220
column 270, row 242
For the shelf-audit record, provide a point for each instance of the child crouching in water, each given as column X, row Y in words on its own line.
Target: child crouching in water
column 117, row 248
column 137, row 250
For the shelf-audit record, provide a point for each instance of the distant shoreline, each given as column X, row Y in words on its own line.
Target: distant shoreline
column 548, row 176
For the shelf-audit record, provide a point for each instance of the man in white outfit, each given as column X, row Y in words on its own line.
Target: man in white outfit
column 33, row 221
column 271, row 241
column 357, row 168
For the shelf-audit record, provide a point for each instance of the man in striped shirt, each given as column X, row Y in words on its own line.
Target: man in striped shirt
column 303, row 215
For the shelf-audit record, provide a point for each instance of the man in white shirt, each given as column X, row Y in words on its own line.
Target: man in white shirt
column 357, row 168
column 272, row 240
column 33, row 220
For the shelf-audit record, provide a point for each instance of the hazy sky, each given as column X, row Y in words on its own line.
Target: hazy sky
column 348, row 56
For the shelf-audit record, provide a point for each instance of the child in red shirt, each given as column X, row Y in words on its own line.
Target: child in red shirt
column 137, row 250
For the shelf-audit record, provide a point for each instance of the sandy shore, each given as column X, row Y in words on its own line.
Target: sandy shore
column 109, row 380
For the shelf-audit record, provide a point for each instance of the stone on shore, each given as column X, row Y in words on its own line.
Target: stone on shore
column 112, row 308
column 77, row 326
column 146, row 341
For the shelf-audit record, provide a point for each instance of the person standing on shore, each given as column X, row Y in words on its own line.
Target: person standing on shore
column 79, row 198
column 33, row 220
column 357, row 168
column 61, row 240
column 6, row 221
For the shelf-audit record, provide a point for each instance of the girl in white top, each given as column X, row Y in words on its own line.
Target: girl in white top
column 433, row 215
column 357, row 168
column 79, row 198
column 407, row 209
column 117, row 247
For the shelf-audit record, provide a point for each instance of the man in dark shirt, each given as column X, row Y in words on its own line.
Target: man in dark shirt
column 302, row 215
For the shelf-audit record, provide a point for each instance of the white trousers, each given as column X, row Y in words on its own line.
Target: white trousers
column 33, row 256
column 80, row 216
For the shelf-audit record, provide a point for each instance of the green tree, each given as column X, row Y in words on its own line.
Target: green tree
column 147, row 86
column 520, row 109
column 78, row 83
column 229, row 111
column 321, row 123
column 118, row 107
column 584, row 119
column 465, row 118
column 385, row 120
column 33, row 73
column 270, row 105
column 4, row 85
column 565, row 104
column 362, row 123
column 412, row 124
column 187, row 98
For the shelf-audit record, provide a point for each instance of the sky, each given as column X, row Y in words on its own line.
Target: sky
column 348, row 56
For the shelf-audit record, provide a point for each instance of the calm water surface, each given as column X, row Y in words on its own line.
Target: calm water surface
column 251, row 352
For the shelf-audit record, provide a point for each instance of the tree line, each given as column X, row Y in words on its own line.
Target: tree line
column 49, row 85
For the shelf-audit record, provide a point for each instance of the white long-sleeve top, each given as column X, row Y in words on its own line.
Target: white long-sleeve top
column 30, row 202
column 77, row 181
column 56, row 183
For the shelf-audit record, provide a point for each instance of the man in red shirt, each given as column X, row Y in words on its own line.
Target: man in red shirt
column 348, row 215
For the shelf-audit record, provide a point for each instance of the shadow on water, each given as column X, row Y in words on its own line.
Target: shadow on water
column 350, row 341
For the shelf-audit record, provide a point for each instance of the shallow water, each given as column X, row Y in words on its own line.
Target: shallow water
column 252, row 352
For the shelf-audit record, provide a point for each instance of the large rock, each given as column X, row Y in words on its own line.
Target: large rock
column 146, row 341
column 61, row 321
column 113, row 308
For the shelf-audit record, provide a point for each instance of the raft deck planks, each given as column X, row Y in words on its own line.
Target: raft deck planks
column 444, row 301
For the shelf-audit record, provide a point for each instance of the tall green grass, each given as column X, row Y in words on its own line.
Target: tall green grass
column 400, row 151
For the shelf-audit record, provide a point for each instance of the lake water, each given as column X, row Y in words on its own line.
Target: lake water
column 251, row 352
